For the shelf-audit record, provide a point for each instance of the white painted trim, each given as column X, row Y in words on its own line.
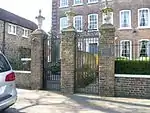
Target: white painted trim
column 143, row 27
column 128, row 28
column 139, row 45
column 89, row 2
column 89, row 20
column 132, row 76
column 60, row 1
column 25, row 59
column 12, row 25
column 129, row 19
column 63, row 7
column 130, row 48
column 91, row 41
column 74, row 4
column 16, row 71
column 23, row 35
column 60, row 27
column 81, row 22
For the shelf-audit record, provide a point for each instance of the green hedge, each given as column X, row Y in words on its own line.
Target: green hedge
column 132, row 67
column 55, row 67
column 17, row 64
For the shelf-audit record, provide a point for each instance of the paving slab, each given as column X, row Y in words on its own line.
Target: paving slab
column 32, row 101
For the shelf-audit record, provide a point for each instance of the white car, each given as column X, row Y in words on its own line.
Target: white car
column 8, row 93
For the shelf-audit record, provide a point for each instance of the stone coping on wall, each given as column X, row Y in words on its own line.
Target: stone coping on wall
column 132, row 76
column 17, row 71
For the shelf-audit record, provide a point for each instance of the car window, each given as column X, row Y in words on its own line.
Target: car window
column 4, row 66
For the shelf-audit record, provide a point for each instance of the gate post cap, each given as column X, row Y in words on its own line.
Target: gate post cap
column 107, row 26
column 38, row 32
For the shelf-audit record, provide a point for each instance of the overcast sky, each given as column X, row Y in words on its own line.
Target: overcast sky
column 29, row 9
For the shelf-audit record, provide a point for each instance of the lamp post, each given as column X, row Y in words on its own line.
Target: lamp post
column 40, row 19
column 107, row 13
column 70, row 14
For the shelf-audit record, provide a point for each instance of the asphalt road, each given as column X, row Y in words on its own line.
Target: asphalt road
column 50, row 102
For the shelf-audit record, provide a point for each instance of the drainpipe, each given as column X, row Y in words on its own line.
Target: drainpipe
column 3, row 41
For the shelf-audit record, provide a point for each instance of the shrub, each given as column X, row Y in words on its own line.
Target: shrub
column 85, row 76
column 144, row 58
column 17, row 64
column 132, row 67
column 55, row 67
column 122, row 58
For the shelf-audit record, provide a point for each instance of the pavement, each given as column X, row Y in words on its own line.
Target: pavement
column 32, row 101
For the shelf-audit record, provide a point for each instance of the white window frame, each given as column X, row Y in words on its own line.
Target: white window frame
column 129, row 19
column 24, row 35
column 74, row 2
column 80, row 16
column 130, row 48
column 139, row 45
column 96, row 29
column 12, row 26
column 112, row 17
column 90, row 1
column 105, row 0
column 63, row 6
column 61, row 28
column 139, row 18
column 90, row 41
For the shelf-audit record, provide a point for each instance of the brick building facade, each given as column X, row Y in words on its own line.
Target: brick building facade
column 130, row 18
column 14, row 34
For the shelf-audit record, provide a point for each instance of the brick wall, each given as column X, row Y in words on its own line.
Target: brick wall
column 136, row 87
column 83, row 10
column 23, row 79
column 117, row 5
column 13, row 42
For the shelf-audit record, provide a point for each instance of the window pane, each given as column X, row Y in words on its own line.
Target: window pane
column 143, row 48
column 93, row 48
column 4, row 66
column 9, row 28
column 63, row 3
column 125, row 19
column 77, row 1
column 90, row 1
column 14, row 29
column 63, row 22
column 125, row 48
column 93, row 22
column 26, row 32
column 78, row 23
column 144, row 14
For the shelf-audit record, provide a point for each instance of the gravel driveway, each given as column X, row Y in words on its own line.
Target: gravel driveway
column 50, row 102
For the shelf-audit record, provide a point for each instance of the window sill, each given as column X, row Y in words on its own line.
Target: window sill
column 128, row 28
column 25, row 36
column 79, row 31
column 143, row 27
column 12, row 33
column 93, row 30
column 89, row 3
column 77, row 4
column 63, row 7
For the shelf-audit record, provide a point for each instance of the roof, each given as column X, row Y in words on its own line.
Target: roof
column 15, row 19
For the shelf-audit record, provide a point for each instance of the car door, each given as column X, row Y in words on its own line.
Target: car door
column 7, row 77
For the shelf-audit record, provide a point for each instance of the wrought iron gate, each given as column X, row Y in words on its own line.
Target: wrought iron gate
column 52, row 73
column 87, row 78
